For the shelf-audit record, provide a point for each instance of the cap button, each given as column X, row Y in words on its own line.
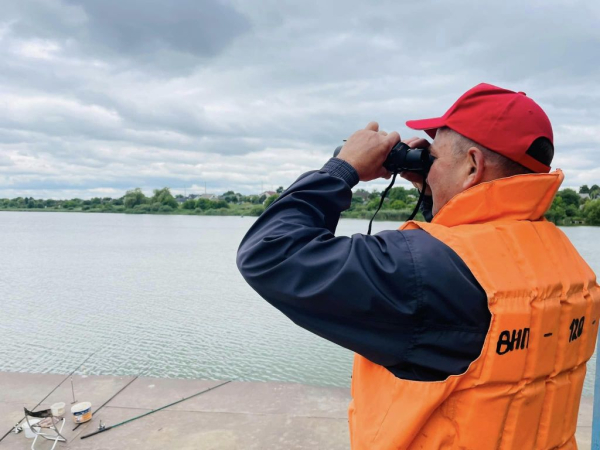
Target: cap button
column 522, row 93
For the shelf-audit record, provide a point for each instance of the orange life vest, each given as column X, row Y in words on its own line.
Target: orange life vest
column 523, row 391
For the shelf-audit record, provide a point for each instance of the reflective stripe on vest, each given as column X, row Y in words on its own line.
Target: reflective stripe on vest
column 523, row 391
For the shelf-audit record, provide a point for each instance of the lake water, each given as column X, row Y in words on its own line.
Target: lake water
column 161, row 296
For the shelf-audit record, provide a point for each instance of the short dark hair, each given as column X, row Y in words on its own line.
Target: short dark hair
column 541, row 150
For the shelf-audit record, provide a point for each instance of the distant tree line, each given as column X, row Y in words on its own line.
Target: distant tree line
column 397, row 206
column 161, row 202
column 572, row 208
column 568, row 208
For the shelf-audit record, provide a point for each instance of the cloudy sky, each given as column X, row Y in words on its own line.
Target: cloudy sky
column 101, row 96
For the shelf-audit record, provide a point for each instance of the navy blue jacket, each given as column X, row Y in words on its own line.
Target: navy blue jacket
column 401, row 299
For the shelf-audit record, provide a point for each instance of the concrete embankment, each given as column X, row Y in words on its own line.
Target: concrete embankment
column 237, row 415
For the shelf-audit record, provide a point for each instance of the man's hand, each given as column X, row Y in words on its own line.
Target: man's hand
column 415, row 178
column 366, row 151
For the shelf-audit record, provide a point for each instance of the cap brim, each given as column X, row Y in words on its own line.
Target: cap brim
column 430, row 126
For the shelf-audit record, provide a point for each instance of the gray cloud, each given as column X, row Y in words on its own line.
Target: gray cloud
column 143, row 27
column 98, row 96
column 167, row 35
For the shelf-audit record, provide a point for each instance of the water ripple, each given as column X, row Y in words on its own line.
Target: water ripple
column 157, row 295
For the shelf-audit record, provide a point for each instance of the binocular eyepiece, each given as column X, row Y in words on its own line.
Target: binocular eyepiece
column 402, row 158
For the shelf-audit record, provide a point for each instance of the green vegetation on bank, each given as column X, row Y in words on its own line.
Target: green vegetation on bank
column 572, row 208
column 568, row 208
column 161, row 202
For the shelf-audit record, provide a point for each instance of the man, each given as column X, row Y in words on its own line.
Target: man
column 471, row 331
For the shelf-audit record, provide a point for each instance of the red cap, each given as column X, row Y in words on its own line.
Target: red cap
column 503, row 121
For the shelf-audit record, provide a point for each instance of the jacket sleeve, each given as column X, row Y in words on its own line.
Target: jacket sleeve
column 355, row 291
column 363, row 292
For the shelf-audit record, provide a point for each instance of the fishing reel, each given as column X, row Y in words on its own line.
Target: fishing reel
column 402, row 158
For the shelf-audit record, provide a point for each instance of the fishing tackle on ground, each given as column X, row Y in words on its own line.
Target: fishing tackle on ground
column 103, row 428
column 55, row 388
column 107, row 401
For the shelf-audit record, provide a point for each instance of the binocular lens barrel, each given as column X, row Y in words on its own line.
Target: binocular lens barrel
column 402, row 158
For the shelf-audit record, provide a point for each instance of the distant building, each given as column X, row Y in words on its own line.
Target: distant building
column 361, row 194
column 269, row 193
column 182, row 199
column 212, row 197
column 584, row 196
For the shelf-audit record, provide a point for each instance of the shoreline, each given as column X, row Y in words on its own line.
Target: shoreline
column 208, row 213
column 212, row 213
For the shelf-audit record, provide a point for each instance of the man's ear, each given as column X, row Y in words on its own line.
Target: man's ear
column 475, row 167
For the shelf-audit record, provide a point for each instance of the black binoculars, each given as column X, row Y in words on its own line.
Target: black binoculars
column 402, row 158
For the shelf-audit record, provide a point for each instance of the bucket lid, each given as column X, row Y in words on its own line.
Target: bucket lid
column 79, row 407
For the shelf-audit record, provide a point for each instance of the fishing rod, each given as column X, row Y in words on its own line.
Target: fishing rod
column 145, row 370
column 102, row 428
column 55, row 388
column 107, row 401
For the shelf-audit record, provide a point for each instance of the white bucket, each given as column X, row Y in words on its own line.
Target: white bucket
column 58, row 409
column 82, row 412
column 28, row 433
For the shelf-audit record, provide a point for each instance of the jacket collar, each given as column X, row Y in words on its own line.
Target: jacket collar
column 521, row 197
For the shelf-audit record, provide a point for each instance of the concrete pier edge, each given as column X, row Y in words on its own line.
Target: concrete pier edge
column 238, row 415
